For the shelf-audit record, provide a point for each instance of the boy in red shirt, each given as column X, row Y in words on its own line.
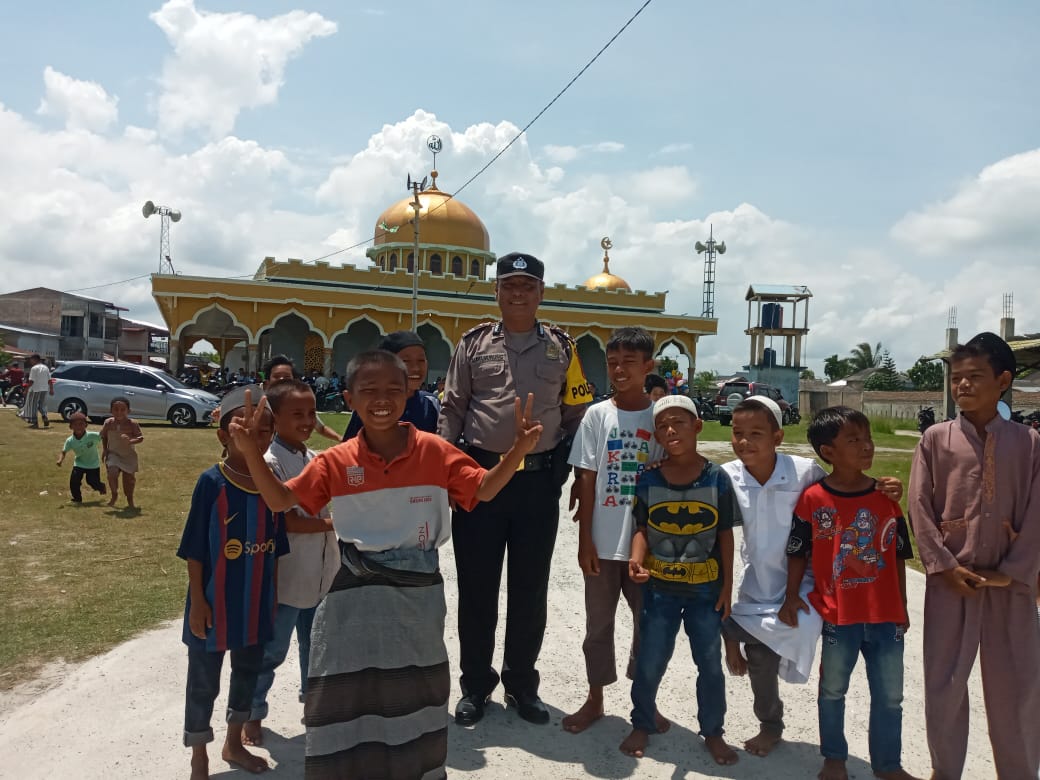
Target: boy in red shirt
column 858, row 543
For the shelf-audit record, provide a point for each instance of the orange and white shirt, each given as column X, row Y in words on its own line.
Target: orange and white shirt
column 381, row 506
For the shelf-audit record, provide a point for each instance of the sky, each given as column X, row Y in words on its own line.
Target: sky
column 884, row 154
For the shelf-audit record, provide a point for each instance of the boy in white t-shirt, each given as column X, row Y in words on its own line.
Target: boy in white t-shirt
column 613, row 445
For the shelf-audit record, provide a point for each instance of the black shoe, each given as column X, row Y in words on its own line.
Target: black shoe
column 102, row 490
column 529, row 707
column 470, row 710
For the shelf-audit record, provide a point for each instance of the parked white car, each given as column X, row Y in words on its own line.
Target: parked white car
column 88, row 386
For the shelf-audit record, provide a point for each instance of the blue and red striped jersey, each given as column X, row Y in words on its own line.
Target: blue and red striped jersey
column 237, row 539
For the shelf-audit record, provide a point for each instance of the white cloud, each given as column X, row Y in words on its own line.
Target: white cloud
column 83, row 105
column 997, row 211
column 223, row 63
column 565, row 154
column 674, row 148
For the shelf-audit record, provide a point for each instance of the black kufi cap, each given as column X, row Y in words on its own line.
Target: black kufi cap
column 1001, row 355
column 400, row 339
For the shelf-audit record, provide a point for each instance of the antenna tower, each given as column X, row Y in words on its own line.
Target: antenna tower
column 709, row 250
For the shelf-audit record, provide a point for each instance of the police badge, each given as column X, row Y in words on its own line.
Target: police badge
column 552, row 351
column 520, row 264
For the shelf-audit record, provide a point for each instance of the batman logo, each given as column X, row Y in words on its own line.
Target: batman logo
column 683, row 517
column 674, row 570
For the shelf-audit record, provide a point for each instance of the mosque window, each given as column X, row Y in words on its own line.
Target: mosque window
column 393, row 261
column 382, row 262
column 436, row 265
column 411, row 262
column 474, row 268
column 456, row 265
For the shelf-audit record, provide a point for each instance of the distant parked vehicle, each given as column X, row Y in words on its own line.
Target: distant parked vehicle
column 88, row 386
column 792, row 416
column 732, row 393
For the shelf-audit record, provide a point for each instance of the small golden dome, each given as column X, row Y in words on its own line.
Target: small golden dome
column 606, row 280
column 443, row 221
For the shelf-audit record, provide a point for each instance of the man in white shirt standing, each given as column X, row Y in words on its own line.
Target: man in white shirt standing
column 39, row 389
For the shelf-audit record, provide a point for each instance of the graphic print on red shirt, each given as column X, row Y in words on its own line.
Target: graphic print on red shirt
column 856, row 540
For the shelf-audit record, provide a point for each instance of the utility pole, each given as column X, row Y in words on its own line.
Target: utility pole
column 416, row 188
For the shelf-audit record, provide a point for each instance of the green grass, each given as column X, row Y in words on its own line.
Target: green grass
column 882, row 431
column 79, row 579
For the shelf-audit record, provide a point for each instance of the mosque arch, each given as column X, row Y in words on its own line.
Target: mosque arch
column 456, row 265
column 436, row 264
column 293, row 334
column 360, row 335
column 474, row 268
column 438, row 350
column 214, row 321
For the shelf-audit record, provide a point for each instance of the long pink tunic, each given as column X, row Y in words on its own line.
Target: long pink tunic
column 963, row 488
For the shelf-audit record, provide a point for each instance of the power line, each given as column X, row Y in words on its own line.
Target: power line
column 516, row 137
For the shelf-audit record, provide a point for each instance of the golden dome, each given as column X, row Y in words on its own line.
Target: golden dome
column 443, row 221
column 606, row 280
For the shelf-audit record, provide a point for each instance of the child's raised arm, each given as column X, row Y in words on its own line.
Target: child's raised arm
column 243, row 433
column 527, row 434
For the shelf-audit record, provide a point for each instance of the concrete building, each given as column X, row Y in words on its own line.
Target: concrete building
column 86, row 328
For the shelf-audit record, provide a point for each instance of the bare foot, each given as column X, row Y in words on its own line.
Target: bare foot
column 590, row 712
column 199, row 763
column 735, row 662
column 899, row 774
column 762, row 743
column 661, row 723
column 252, row 734
column 723, row 754
column 635, row 743
column 833, row 769
column 239, row 756
column 112, row 501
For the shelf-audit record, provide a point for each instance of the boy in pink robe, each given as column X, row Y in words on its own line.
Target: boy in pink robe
column 974, row 505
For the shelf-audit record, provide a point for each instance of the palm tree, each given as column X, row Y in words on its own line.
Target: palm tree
column 863, row 356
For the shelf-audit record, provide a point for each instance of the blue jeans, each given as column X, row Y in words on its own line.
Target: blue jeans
column 286, row 619
column 658, row 626
column 882, row 648
column 204, row 685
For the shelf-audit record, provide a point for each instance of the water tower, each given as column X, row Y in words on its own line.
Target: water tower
column 778, row 321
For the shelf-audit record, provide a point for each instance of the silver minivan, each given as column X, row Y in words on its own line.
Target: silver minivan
column 88, row 386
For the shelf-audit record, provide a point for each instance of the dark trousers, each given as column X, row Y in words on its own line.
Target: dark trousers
column 76, row 480
column 522, row 519
column 204, row 685
column 764, row 673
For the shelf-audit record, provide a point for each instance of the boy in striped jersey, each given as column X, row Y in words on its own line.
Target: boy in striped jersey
column 231, row 542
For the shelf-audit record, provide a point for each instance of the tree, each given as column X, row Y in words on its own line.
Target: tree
column 835, row 368
column 5, row 356
column 666, row 364
column 863, row 356
column 926, row 374
column 886, row 377
column 807, row 373
column 705, row 383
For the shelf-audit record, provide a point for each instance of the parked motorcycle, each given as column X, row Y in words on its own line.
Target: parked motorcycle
column 330, row 401
column 925, row 418
column 705, row 408
column 792, row 416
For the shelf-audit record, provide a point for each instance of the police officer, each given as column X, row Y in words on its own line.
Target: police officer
column 493, row 364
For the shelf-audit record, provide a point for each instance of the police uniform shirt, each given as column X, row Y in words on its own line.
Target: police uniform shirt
column 490, row 369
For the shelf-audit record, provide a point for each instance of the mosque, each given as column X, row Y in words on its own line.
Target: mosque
column 321, row 315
